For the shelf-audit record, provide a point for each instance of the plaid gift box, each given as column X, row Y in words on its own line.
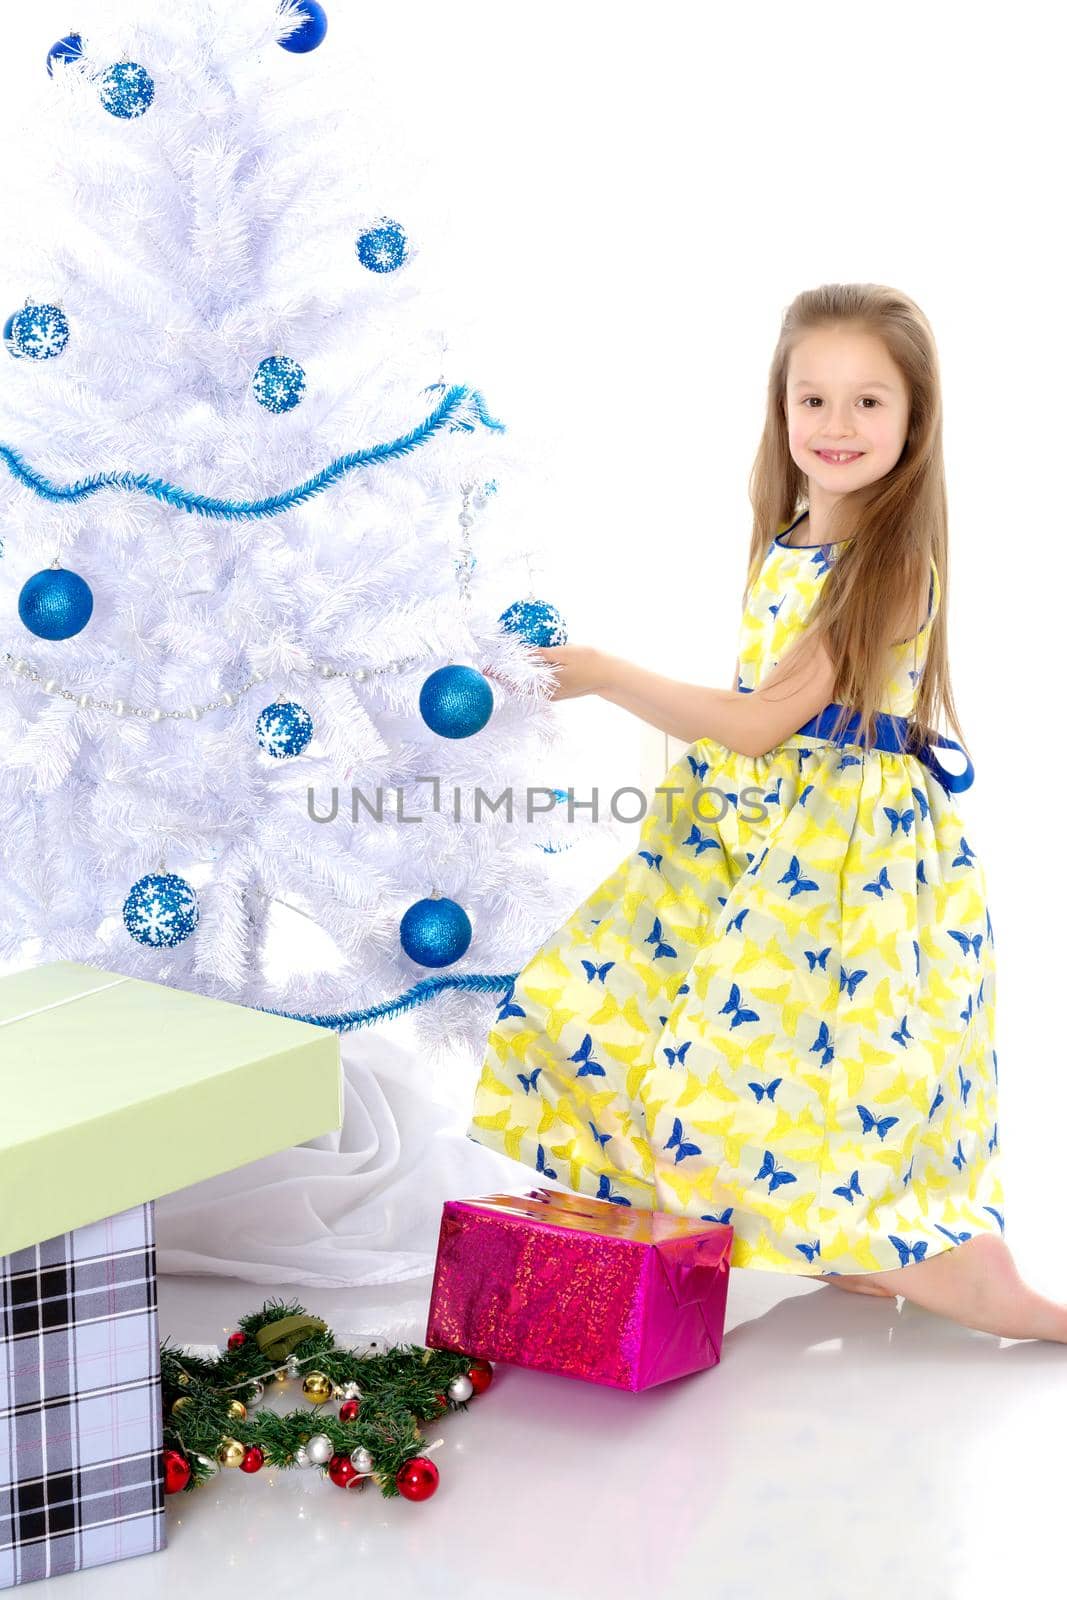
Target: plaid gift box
column 79, row 1348
column 114, row 1091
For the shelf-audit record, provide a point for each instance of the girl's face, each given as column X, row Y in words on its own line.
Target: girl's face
column 844, row 393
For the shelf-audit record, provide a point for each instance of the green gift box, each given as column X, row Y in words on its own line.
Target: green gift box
column 114, row 1091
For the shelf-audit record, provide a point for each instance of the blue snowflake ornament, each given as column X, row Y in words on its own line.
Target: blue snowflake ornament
column 126, row 90
column 382, row 248
column 161, row 910
column 312, row 30
column 39, row 332
column 279, row 383
column 66, row 50
column 283, row 729
column 536, row 622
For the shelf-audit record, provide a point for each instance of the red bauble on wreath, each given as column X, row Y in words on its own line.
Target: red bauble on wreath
column 341, row 1471
column 176, row 1471
column 417, row 1478
column 349, row 1410
column 236, row 1340
column 253, row 1459
column 480, row 1375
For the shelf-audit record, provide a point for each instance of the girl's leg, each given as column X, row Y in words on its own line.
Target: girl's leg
column 858, row 1283
column 977, row 1284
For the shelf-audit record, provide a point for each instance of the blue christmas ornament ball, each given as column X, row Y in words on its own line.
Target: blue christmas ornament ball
column 9, row 329
column 279, row 383
column 55, row 603
column 456, row 702
column 435, row 932
column 311, row 32
column 382, row 248
column 126, row 90
column 66, row 50
column 161, row 910
column 536, row 622
column 39, row 331
column 283, row 729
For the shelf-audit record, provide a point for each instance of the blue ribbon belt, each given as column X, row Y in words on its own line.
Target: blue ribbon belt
column 890, row 733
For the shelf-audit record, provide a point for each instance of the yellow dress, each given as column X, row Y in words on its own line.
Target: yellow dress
column 778, row 1010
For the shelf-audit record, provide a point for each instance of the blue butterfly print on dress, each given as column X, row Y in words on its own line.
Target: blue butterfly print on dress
column 822, row 1042
column 725, row 1217
column 778, row 1175
column 817, row 958
column 965, row 1085
column 676, row 1057
column 916, row 1252
column 593, row 971
column 604, row 1192
column 506, row 1009
column 589, row 1067
column 959, row 1160
column 967, row 941
column 900, row 819
column 810, row 1251
column 740, row 1013
column 996, row 1215
column 548, row 1172
column 847, row 1191
column 703, row 842
column 656, row 938
column 851, row 981
column 922, row 803
column 880, row 1125
column 793, row 876
column 957, row 1238
column 966, row 856
column 653, row 861
column 901, row 1034
column 880, row 883
column 735, row 922
column 530, row 1082
column 601, row 1138
column 700, row 768
column 938, row 1100
column 768, row 1089
column 679, row 1144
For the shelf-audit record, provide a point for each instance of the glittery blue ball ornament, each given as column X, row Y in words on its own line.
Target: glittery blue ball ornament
column 55, row 603
column 435, row 932
column 40, row 332
column 536, row 622
column 311, row 32
column 9, row 328
column 382, row 248
column 161, row 909
column 66, row 50
column 279, row 383
column 283, row 729
column 456, row 702
column 126, row 90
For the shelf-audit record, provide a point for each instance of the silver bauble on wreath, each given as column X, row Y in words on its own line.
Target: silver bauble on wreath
column 362, row 1460
column 461, row 1388
column 319, row 1449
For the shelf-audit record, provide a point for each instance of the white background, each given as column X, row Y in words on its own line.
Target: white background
column 623, row 201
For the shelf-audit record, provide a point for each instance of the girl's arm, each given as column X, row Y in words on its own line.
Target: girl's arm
column 752, row 723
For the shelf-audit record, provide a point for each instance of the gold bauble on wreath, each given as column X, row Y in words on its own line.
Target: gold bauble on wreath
column 236, row 1410
column 230, row 1453
column 317, row 1388
column 185, row 1400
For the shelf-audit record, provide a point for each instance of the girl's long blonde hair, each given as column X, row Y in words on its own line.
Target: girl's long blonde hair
column 896, row 524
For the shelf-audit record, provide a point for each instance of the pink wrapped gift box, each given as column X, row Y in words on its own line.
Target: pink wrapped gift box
column 581, row 1287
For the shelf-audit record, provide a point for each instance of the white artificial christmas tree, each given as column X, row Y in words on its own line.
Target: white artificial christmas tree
column 248, row 508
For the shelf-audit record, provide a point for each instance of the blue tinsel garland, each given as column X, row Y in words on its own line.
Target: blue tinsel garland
column 236, row 510
column 425, row 989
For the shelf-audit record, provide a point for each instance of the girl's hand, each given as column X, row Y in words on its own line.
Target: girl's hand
column 580, row 669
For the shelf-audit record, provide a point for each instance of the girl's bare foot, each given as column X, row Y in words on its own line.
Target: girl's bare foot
column 977, row 1283
column 858, row 1283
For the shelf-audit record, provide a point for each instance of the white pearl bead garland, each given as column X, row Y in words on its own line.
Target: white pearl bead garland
column 119, row 708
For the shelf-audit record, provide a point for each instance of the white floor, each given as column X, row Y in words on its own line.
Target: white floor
column 844, row 1447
